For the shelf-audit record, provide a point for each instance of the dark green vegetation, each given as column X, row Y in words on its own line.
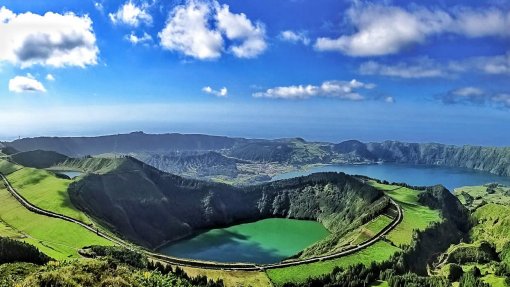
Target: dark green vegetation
column 151, row 207
column 110, row 267
column 38, row 158
column 193, row 164
column 16, row 251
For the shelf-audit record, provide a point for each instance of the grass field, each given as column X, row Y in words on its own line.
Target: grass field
column 57, row 238
column 378, row 252
column 370, row 229
column 379, row 283
column 43, row 189
column 7, row 231
column 232, row 278
column 416, row 216
column 479, row 196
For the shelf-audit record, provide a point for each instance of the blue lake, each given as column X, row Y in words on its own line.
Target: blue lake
column 419, row 175
column 71, row 174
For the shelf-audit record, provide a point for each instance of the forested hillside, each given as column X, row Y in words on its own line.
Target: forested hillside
column 151, row 207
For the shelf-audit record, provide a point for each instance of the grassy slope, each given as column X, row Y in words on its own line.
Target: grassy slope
column 370, row 229
column 416, row 216
column 493, row 224
column 57, row 238
column 46, row 191
column 232, row 278
column 480, row 196
column 378, row 252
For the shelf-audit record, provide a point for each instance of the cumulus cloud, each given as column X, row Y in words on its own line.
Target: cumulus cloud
column 382, row 30
column 200, row 30
column 477, row 96
column 294, row 37
column 51, row 39
column 338, row 89
column 22, row 84
column 223, row 92
column 135, row 39
column 132, row 15
column 238, row 27
column 50, row 77
column 429, row 68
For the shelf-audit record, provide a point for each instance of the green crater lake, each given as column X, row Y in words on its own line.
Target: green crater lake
column 265, row 241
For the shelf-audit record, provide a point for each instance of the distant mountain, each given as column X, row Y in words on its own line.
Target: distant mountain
column 123, row 143
column 196, row 165
column 294, row 151
column 151, row 207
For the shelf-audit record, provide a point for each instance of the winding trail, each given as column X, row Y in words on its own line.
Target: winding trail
column 208, row 264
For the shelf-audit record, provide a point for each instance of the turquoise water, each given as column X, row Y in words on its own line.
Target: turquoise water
column 412, row 174
column 265, row 241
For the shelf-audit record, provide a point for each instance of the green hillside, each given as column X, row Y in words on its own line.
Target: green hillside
column 152, row 207
column 45, row 190
column 57, row 238
column 38, row 158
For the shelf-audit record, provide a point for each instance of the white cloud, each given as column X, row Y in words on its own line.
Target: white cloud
column 468, row 92
column 198, row 29
column 135, row 39
column 383, row 30
column 50, row 77
column 187, row 31
column 51, row 39
column 99, row 6
column 223, row 92
column 419, row 68
column 132, row 15
column 338, row 89
column 389, row 100
column 430, row 68
column 477, row 96
column 294, row 37
column 22, row 84
column 239, row 27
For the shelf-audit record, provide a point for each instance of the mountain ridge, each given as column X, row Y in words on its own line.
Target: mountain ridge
column 291, row 151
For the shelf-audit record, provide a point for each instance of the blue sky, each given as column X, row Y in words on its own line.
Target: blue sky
column 324, row 70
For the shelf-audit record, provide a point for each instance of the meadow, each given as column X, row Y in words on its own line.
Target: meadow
column 46, row 191
column 56, row 238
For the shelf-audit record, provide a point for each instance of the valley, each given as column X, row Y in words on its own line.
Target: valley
column 340, row 222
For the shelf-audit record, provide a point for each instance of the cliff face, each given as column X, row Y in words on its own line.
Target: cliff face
column 150, row 207
column 495, row 160
column 195, row 165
